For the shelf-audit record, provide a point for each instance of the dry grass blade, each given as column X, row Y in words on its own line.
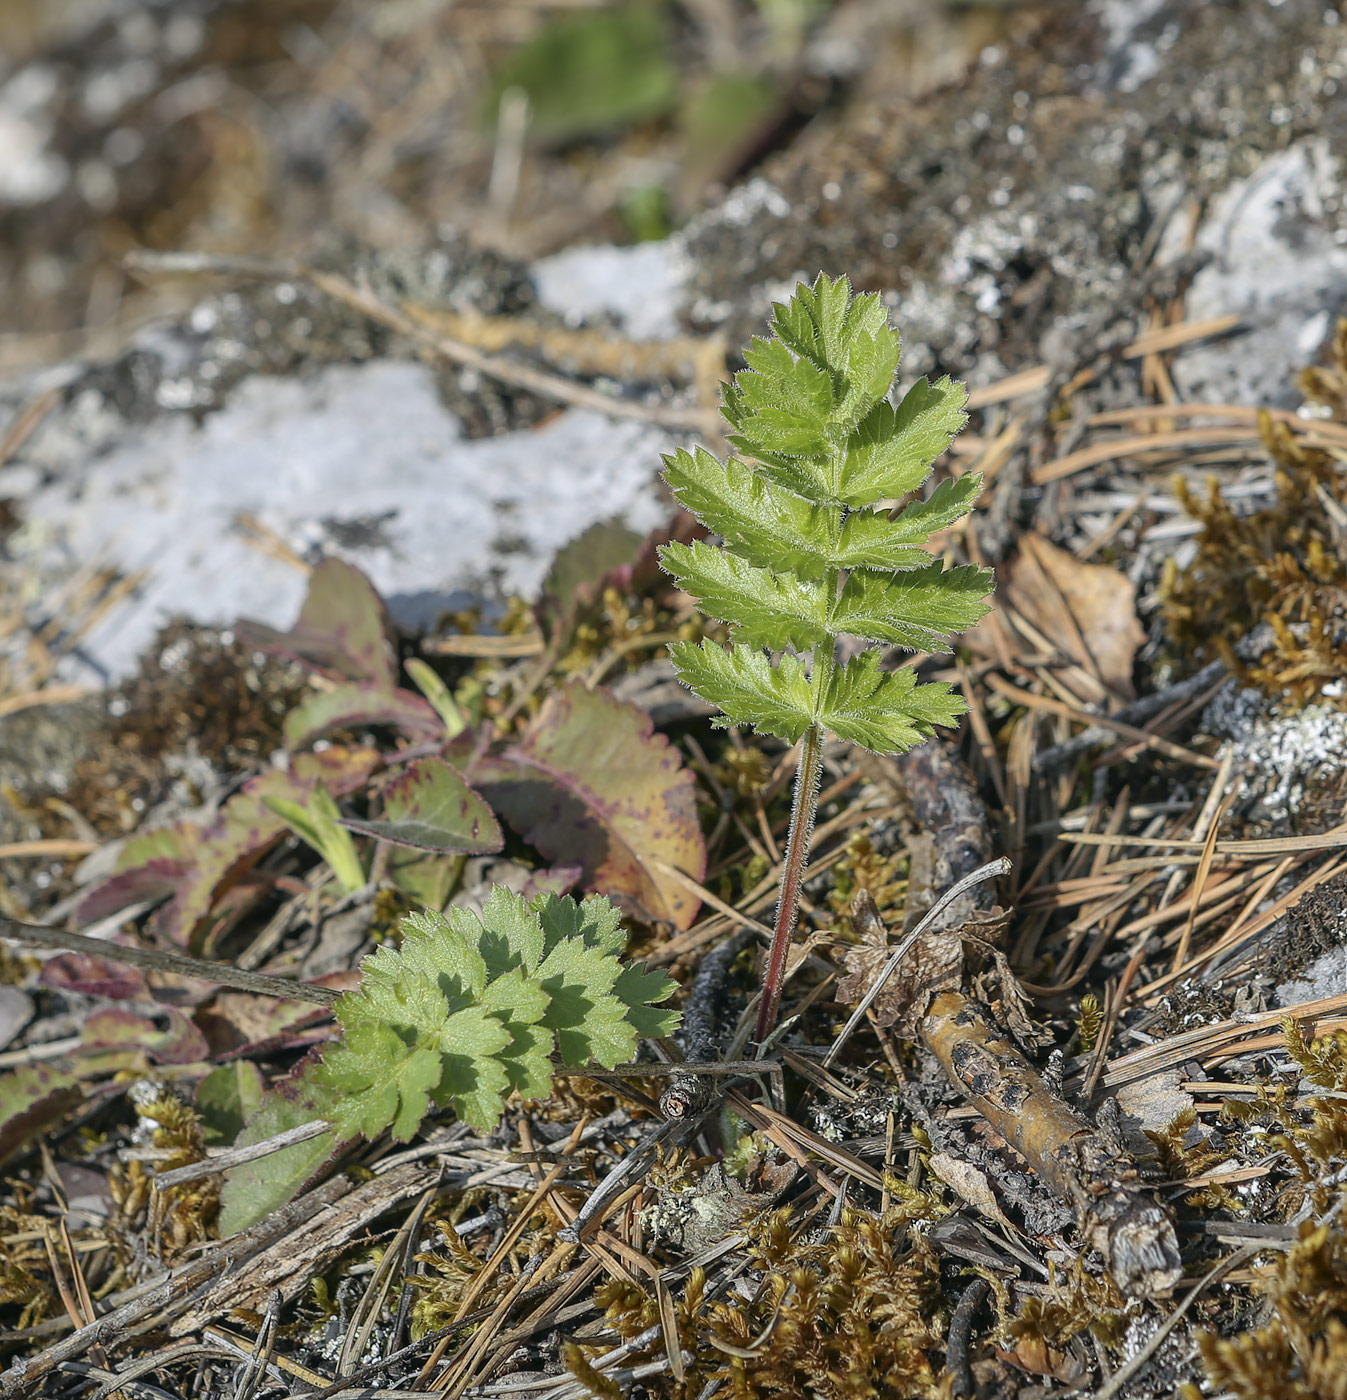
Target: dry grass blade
column 506, row 371
column 1142, row 736
column 1331, row 840
column 1199, row 884
column 45, row 695
column 1222, row 1039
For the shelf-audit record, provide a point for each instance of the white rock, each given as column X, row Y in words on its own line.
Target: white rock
column 364, row 461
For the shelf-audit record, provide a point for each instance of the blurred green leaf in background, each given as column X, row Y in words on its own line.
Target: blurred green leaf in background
column 590, row 73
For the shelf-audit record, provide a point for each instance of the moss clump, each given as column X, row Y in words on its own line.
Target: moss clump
column 1282, row 565
column 855, row 1314
column 1301, row 1354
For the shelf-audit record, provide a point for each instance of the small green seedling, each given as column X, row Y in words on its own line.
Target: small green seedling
column 811, row 552
column 467, row 1010
column 317, row 823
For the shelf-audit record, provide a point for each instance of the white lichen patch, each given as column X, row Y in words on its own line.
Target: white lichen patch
column 1277, row 755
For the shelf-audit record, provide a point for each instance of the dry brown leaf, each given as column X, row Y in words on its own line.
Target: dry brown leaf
column 971, row 1184
column 1088, row 611
column 999, row 985
column 933, row 963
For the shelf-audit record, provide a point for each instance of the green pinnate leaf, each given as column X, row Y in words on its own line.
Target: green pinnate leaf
column 528, row 1060
column 640, row 991
column 392, row 993
column 767, row 524
column 810, row 549
column 950, row 501
column 378, row 1082
column 472, row 1008
column 444, row 955
column 747, row 687
column 868, row 539
column 605, row 1035
column 571, row 973
column 473, row 1078
column 788, row 402
column 594, row 921
column 872, row 359
column 508, row 933
column 917, row 609
column 517, row 999
column 885, row 712
column 891, row 450
column 766, row 609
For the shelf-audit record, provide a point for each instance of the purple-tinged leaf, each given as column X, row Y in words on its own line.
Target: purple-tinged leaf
column 590, row 784
column 554, row 879
column 352, row 706
column 236, row 1023
column 214, row 857
column 150, row 866
column 581, row 567
column 342, row 630
column 94, row 977
column 31, row 1098
column 430, row 807
column 114, row 1028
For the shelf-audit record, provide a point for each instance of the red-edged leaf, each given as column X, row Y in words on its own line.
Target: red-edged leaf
column 342, row 630
column 238, row 1022
column 31, row 1097
column 580, row 568
column 252, row 1191
column 590, row 784
column 94, row 977
column 115, row 1028
column 150, row 865
column 351, row 706
column 430, row 807
column 215, row 856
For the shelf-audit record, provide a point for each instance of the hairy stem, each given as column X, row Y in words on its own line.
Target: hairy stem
column 804, row 804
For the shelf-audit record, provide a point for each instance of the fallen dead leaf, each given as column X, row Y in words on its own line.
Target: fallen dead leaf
column 1087, row 611
column 933, row 963
column 970, row 1183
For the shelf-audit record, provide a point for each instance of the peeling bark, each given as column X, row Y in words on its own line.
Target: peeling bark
column 1128, row 1226
column 1116, row 1215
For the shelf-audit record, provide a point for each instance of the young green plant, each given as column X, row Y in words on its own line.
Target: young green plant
column 811, row 552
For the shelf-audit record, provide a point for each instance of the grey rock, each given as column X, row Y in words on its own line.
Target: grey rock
column 362, row 460
column 1020, row 216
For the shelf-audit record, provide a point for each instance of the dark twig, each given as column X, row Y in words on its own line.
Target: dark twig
column 704, row 1027
column 1060, row 755
column 960, row 1334
column 226, row 975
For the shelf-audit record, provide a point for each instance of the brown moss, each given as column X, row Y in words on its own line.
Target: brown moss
column 1301, row 1353
column 1282, row 565
column 198, row 692
column 179, row 1217
column 864, row 868
column 855, row 1313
